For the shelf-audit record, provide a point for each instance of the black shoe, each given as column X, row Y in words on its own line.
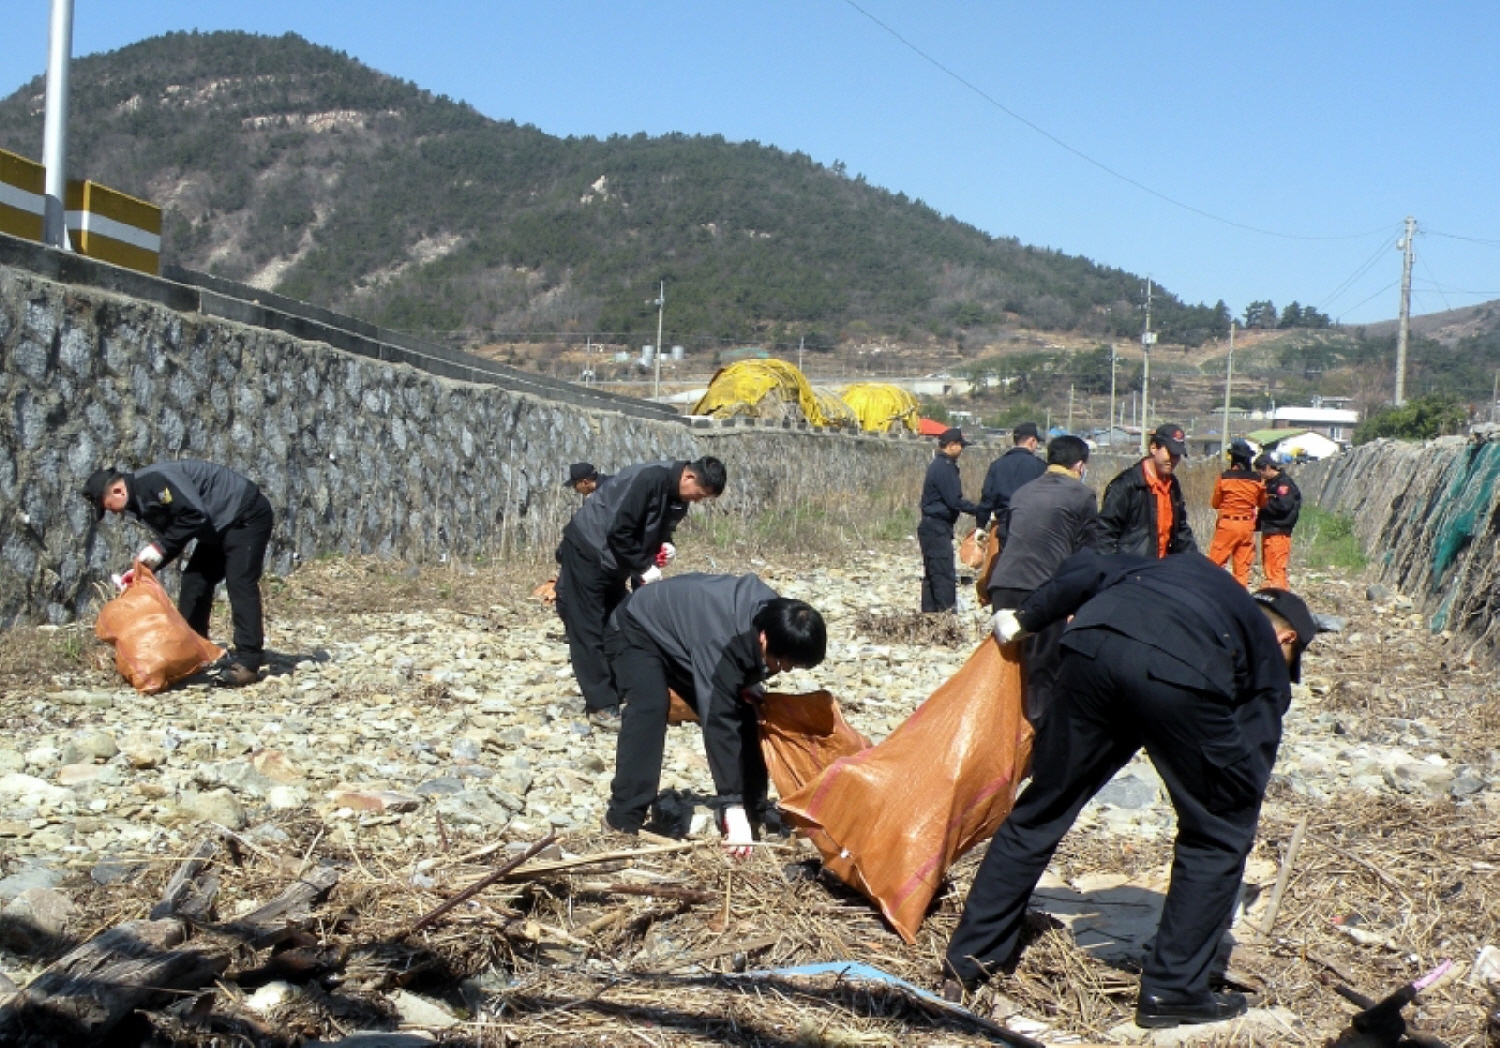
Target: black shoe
column 233, row 672
column 1159, row 1011
column 607, row 719
column 609, row 830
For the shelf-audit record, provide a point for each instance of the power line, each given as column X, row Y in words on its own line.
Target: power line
column 1329, row 299
column 1084, row 156
column 1455, row 236
column 1377, row 294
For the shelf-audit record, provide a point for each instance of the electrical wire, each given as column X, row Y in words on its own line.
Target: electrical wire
column 1349, row 282
column 1455, row 236
column 1088, row 159
column 1438, row 287
column 1377, row 294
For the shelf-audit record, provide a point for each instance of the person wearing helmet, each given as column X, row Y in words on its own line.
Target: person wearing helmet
column 1239, row 494
column 1283, row 504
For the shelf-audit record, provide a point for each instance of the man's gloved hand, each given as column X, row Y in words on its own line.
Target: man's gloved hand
column 150, row 555
column 738, row 841
column 1006, row 627
column 666, row 554
column 123, row 580
column 651, row 574
column 982, row 537
column 753, row 693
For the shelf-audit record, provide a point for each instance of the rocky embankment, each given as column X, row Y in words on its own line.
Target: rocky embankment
column 444, row 721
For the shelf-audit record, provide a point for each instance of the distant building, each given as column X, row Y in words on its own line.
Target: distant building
column 1291, row 445
column 1336, row 424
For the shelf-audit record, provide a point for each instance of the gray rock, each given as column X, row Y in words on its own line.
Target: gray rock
column 1129, row 792
column 33, row 875
column 1379, row 593
column 220, row 806
column 444, row 786
column 35, row 919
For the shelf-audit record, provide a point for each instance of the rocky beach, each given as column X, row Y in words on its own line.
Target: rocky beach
column 410, row 715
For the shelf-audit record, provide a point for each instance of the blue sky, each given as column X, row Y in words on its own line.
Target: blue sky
column 1319, row 125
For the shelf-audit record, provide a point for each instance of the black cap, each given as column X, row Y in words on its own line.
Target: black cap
column 580, row 471
column 951, row 436
column 1263, row 460
column 1024, row 430
column 1239, row 448
column 1170, row 436
column 1292, row 608
column 95, row 487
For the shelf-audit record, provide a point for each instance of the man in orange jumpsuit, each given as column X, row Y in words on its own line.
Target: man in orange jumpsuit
column 1283, row 504
column 1239, row 493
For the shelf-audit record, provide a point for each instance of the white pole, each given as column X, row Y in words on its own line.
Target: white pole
column 1228, row 381
column 1404, row 323
column 661, row 304
column 55, row 140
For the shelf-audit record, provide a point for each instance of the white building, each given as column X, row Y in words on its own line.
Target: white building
column 1334, row 423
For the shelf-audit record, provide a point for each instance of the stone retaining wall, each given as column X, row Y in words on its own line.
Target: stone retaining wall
column 370, row 449
column 1429, row 515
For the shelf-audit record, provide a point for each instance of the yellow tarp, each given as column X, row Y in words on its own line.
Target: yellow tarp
column 881, row 407
column 769, row 389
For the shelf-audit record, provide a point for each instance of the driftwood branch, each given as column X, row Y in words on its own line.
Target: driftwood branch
column 86, row 993
column 479, row 886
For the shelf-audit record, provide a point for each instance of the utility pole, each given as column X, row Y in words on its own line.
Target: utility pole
column 1148, row 339
column 1070, row 407
column 661, row 305
column 1228, row 381
column 1112, row 361
column 55, row 127
column 1404, row 330
column 801, row 344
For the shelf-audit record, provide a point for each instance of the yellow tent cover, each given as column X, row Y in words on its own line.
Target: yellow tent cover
column 881, row 407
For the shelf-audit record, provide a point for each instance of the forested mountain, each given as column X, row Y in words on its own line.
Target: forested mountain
column 297, row 168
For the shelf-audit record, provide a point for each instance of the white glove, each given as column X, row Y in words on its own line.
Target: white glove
column 1006, row 627
column 737, row 839
column 666, row 555
column 651, row 574
column 982, row 537
column 150, row 555
column 123, row 581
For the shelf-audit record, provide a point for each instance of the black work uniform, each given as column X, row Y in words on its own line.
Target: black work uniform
column 231, row 519
column 1174, row 656
column 613, row 536
column 696, row 634
column 1006, row 475
column 942, row 501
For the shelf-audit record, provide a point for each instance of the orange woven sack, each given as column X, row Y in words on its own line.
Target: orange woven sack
column 154, row 646
column 890, row 820
column 801, row 735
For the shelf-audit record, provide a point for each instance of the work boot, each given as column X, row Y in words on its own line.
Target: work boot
column 609, row 830
column 231, row 671
column 1158, row 1011
column 606, row 719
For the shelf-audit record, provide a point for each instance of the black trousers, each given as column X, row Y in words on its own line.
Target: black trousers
column 586, row 596
column 1041, row 655
column 642, row 676
column 939, row 577
column 1215, row 759
column 237, row 560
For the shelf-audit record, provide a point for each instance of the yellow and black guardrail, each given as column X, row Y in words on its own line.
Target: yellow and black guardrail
column 103, row 223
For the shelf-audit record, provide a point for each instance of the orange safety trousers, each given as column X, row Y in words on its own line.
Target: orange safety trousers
column 1275, row 555
column 1234, row 540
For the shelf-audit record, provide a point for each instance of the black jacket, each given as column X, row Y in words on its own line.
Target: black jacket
column 1205, row 631
column 1051, row 518
column 943, row 491
column 629, row 515
column 704, row 627
column 187, row 499
column 1127, row 517
column 1003, row 479
column 1283, row 505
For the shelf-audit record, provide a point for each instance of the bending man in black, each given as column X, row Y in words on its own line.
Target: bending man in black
column 942, row 501
column 709, row 637
column 1174, row 656
column 622, row 531
column 230, row 519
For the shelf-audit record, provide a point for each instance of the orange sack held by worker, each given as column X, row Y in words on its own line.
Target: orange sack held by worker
column 154, row 646
column 801, row 736
column 890, row 820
